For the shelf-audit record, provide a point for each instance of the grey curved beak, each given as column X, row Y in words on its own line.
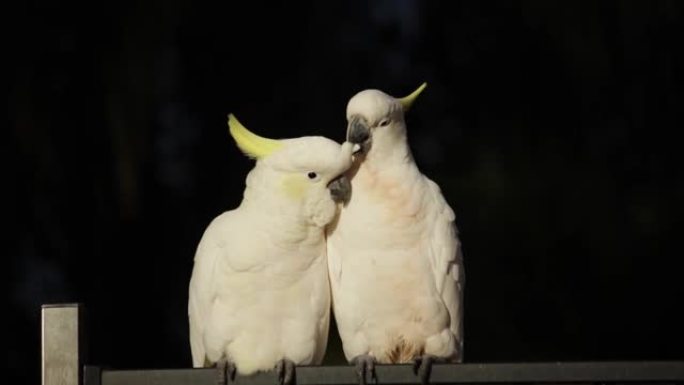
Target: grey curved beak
column 340, row 189
column 358, row 131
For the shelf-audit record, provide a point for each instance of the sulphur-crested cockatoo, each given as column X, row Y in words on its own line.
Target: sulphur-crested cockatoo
column 396, row 267
column 259, row 296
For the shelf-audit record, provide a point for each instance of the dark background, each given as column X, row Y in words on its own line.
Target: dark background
column 552, row 128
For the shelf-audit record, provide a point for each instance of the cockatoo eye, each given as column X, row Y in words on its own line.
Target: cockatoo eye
column 312, row 175
column 384, row 122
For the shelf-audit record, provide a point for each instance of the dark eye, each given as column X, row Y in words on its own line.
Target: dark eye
column 312, row 175
column 384, row 122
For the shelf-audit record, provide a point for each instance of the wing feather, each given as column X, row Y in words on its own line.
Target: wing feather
column 203, row 288
column 446, row 259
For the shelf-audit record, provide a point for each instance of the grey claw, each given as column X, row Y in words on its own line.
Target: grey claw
column 365, row 365
column 226, row 371
column 285, row 370
column 422, row 366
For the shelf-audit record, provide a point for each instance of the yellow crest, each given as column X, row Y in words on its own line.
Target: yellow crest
column 407, row 101
column 250, row 143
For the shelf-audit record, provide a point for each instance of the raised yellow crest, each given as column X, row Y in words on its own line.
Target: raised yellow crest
column 250, row 143
column 407, row 101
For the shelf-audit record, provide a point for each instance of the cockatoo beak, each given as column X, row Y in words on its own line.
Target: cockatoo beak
column 358, row 131
column 340, row 189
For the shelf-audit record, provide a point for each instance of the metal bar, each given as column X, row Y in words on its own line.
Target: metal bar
column 92, row 375
column 556, row 372
column 60, row 350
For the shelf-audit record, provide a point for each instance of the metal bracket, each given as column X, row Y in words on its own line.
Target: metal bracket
column 61, row 349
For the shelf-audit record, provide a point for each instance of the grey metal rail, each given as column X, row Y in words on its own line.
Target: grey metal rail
column 62, row 360
column 558, row 372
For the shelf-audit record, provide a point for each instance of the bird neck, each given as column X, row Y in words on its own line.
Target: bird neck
column 283, row 222
column 389, row 150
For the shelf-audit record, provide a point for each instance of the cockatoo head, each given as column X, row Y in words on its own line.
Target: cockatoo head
column 374, row 116
column 302, row 176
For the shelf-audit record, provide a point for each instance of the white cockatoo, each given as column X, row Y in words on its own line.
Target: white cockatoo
column 396, row 268
column 259, row 296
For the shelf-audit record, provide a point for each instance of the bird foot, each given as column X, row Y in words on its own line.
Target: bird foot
column 422, row 367
column 365, row 367
column 226, row 371
column 285, row 370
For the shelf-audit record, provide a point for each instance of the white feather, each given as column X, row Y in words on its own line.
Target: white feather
column 259, row 290
column 394, row 257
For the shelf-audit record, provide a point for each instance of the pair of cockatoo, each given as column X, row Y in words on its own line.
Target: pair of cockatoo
column 356, row 226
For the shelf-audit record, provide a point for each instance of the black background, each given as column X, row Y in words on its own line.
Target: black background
column 552, row 128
